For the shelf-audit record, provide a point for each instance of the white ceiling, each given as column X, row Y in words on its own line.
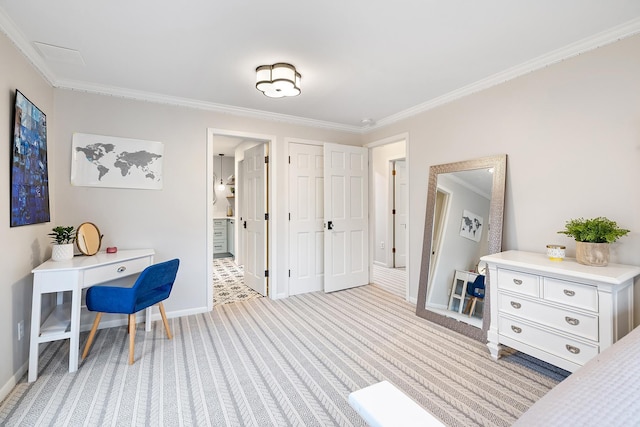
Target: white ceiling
column 377, row 59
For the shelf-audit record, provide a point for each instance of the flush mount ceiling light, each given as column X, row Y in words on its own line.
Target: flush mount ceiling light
column 278, row 80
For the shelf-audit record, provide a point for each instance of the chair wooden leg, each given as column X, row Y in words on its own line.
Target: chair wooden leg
column 467, row 307
column 92, row 335
column 164, row 320
column 472, row 309
column 132, row 336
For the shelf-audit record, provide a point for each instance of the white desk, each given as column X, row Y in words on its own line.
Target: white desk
column 74, row 275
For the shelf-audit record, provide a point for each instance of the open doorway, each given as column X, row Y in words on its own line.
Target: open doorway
column 389, row 216
column 237, row 231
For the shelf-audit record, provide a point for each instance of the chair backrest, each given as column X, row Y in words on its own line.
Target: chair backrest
column 476, row 288
column 155, row 283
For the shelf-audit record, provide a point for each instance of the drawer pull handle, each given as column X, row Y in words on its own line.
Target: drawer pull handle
column 569, row 293
column 572, row 349
column 121, row 269
column 515, row 304
column 517, row 281
column 572, row 321
column 516, row 329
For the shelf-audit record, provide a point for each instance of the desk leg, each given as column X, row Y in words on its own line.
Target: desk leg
column 74, row 341
column 147, row 319
column 34, row 347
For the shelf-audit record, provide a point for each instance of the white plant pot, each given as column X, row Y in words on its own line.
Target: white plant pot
column 62, row 252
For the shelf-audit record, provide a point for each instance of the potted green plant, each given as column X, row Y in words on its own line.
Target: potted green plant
column 593, row 237
column 63, row 238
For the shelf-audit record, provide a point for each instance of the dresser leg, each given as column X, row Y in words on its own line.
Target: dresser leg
column 494, row 349
column 492, row 344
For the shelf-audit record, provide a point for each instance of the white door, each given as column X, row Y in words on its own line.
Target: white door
column 306, row 233
column 255, row 223
column 346, row 237
column 401, row 202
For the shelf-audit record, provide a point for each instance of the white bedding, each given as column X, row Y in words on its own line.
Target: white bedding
column 604, row 392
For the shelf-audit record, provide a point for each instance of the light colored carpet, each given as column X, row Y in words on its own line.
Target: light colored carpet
column 228, row 283
column 292, row 361
column 393, row 280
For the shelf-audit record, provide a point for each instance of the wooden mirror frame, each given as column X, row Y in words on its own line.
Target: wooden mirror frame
column 496, row 214
column 86, row 235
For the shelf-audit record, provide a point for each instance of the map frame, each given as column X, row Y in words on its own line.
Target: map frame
column 114, row 162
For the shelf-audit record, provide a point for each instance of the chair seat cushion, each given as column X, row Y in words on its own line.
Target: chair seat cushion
column 111, row 299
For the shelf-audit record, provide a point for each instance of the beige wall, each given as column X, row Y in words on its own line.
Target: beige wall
column 22, row 247
column 572, row 135
column 172, row 221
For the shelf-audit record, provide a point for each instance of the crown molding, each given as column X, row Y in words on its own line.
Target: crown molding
column 604, row 38
column 612, row 35
column 8, row 27
column 200, row 105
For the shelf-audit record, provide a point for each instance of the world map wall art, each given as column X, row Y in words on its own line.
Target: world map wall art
column 107, row 161
column 29, row 174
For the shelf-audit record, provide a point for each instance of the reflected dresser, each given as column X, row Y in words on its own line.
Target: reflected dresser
column 561, row 312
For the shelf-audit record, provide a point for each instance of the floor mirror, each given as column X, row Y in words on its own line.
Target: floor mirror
column 463, row 222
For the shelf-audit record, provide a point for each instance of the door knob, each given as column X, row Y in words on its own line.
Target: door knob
column 330, row 225
column 244, row 224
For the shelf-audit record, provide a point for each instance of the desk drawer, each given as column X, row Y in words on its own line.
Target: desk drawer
column 574, row 323
column 114, row 271
column 558, row 345
column 572, row 294
column 516, row 281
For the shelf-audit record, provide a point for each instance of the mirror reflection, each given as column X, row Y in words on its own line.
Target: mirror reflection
column 465, row 206
column 88, row 238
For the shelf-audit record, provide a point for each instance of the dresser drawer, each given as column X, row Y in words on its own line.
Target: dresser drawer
column 220, row 223
column 115, row 271
column 519, row 282
column 219, row 233
column 219, row 247
column 583, row 325
column 571, row 293
column 558, row 345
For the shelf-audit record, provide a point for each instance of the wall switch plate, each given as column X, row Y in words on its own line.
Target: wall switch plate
column 381, row 245
column 20, row 330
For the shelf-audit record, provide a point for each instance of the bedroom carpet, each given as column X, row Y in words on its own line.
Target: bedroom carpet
column 292, row 361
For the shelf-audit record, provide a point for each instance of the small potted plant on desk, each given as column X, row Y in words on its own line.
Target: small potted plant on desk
column 593, row 237
column 63, row 238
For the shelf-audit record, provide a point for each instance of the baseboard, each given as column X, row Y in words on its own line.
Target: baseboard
column 9, row 385
column 155, row 315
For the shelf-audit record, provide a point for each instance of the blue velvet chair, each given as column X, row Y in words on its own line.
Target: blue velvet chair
column 475, row 291
column 152, row 287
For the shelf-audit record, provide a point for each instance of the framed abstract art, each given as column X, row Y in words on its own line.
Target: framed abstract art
column 29, row 171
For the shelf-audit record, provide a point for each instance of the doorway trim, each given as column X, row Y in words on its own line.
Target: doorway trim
column 378, row 143
column 272, row 229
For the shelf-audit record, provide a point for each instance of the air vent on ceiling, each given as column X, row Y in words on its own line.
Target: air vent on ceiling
column 59, row 54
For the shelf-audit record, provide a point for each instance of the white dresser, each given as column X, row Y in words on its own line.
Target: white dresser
column 561, row 312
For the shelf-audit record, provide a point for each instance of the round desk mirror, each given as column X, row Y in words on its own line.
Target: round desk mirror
column 88, row 238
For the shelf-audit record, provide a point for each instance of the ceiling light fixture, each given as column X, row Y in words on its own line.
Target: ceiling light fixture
column 278, row 80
